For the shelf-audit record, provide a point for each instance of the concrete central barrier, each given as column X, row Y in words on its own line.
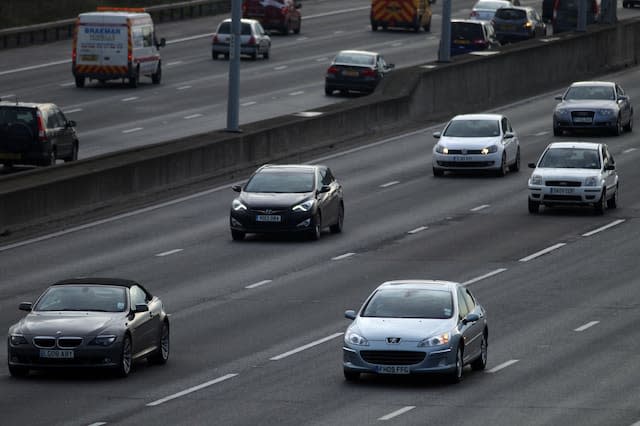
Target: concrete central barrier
column 416, row 94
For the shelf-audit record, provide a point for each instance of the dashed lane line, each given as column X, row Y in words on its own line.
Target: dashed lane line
column 482, row 207
column 388, row 184
column 192, row 389
column 305, row 347
column 397, row 413
column 503, row 366
column 587, row 326
column 259, row 283
column 192, row 116
column 485, row 276
column 135, row 129
column 343, row 256
column 542, row 252
column 416, row 230
column 605, row 227
column 169, row 253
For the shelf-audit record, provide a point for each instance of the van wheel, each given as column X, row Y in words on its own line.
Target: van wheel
column 427, row 27
column 133, row 80
column 374, row 25
column 155, row 78
column 74, row 153
column 226, row 56
column 79, row 82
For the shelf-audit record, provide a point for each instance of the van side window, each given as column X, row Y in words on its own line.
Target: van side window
column 147, row 36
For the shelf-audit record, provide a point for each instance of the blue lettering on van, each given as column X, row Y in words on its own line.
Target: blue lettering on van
column 104, row 30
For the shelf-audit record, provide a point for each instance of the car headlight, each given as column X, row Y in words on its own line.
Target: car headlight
column 305, row 206
column 353, row 338
column 442, row 149
column 103, row 340
column 440, row 339
column 17, row 339
column 535, row 180
column 489, row 150
column 591, row 181
column 606, row 112
column 238, row 206
column 562, row 112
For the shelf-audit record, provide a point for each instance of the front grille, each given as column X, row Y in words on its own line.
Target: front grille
column 69, row 342
column 392, row 357
column 44, row 342
column 563, row 183
column 582, row 114
column 562, row 198
column 265, row 210
column 469, row 164
column 466, row 151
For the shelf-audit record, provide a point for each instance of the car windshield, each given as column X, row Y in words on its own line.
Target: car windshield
column 571, row 158
column 466, row 31
column 511, row 14
column 590, row 92
column 83, row 298
column 472, row 128
column 410, row 303
column 353, row 58
column 281, row 181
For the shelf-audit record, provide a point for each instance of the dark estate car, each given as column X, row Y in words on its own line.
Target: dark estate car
column 288, row 198
column 89, row 322
column 355, row 70
column 35, row 134
column 469, row 35
column 280, row 15
column 518, row 23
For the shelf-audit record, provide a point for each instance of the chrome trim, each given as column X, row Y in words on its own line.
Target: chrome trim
column 44, row 337
column 69, row 337
column 444, row 351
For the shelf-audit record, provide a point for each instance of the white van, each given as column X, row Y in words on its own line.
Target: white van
column 116, row 43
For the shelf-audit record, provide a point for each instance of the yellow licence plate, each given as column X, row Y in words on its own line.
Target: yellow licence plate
column 10, row 156
column 350, row 73
column 91, row 58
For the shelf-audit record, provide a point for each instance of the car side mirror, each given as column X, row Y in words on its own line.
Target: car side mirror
column 532, row 165
column 558, row 97
column 350, row 314
column 163, row 42
column 324, row 188
column 610, row 167
column 70, row 123
column 509, row 135
column 141, row 308
column 470, row 318
column 437, row 135
column 298, row 5
column 237, row 188
column 25, row 306
column 391, row 66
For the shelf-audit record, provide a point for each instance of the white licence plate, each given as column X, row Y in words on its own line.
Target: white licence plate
column 56, row 353
column 582, row 119
column 462, row 158
column 393, row 369
column 268, row 218
column 562, row 190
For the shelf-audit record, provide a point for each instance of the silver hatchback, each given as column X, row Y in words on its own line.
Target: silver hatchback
column 254, row 40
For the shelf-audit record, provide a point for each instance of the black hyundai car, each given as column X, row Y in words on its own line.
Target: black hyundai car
column 288, row 198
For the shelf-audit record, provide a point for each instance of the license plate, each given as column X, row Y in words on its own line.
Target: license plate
column 350, row 73
column 92, row 58
column 393, row 369
column 462, row 158
column 268, row 218
column 9, row 156
column 507, row 27
column 562, row 190
column 56, row 353
column 582, row 119
column 461, row 42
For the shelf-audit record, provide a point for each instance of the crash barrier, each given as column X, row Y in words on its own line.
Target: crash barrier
column 63, row 29
column 420, row 94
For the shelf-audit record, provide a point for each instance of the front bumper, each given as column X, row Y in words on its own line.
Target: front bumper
column 561, row 195
column 418, row 360
column 246, row 221
column 244, row 49
column 593, row 121
column 86, row 356
column 491, row 161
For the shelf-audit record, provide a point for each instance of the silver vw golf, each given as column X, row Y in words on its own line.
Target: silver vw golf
column 416, row 326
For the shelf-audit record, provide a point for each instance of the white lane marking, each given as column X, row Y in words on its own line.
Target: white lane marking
column 191, row 390
column 602, row 228
column 540, row 133
column 396, row 44
column 305, row 347
column 418, row 229
column 98, row 424
column 71, row 111
column 281, row 67
column 482, row 207
column 299, row 92
column 485, row 276
column 388, row 184
column 626, row 151
column 586, row 326
column 502, row 366
column 542, row 252
column 397, row 413
column 172, row 63
column 258, row 284
column 337, row 12
column 195, row 196
column 322, row 59
column 132, row 98
column 343, row 256
column 135, row 129
column 169, row 253
column 338, row 32
column 249, row 103
column 35, row 67
column 636, row 423
column 69, row 84
column 195, row 37
column 189, row 117
column 184, row 87
column 8, row 95
column 302, row 38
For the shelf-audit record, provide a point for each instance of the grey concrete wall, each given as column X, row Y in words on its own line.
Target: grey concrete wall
column 415, row 94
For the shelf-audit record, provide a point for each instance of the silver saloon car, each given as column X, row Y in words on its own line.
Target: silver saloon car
column 477, row 142
column 593, row 105
column 578, row 173
column 89, row 322
column 415, row 327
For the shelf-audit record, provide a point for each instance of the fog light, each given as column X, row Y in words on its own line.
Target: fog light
column 304, row 223
column 235, row 222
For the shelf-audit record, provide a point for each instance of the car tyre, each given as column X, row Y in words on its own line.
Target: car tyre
column 617, row 131
column 18, row 371
column 133, row 80
column 629, row 126
column 254, row 56
column 316, row 231
column 126, row 358
column 612, row 202
column 601, row 205
column 161, row 356
column 502, row 171
column 74, row 153
column 298, row 28
column 516, row 164
column 337, row 227
column 534, row 206
column 456, row 375
column 438, row 172
column 80, row 82
column 427, row 28
column 157, row 76
column 237, row 235
column 351, row 376
column 328, row 91
column 480, row 363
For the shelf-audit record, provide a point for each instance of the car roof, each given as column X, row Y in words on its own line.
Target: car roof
column 286, row 167
column 24, row 104
column 593, row 83
column 469, row 21
column 478, row 117
column 357, row 52
column 243, row 20
column 524, row 8
column 480, row 2
column 120, row 282
column 575, row 144
column 420, row 284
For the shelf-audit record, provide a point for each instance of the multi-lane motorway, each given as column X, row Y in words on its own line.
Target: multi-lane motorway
column 257, row 325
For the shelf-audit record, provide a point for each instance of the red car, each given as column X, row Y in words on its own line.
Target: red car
column 281, row 15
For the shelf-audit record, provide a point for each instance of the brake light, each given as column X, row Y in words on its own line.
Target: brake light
column 129, row 57
column 332, row 70
column 473, row 14
column 368, row 72
column 479, row 41
column 42, row 135
column 215, row 38
column 252, row 41
column 74, row 54
column 284, row 10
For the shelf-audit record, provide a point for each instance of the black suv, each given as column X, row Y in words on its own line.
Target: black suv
column 35, row 134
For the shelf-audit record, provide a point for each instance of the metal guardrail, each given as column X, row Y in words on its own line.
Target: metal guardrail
column 62, row 30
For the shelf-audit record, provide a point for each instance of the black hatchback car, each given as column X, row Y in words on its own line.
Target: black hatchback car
column 288, row 198
column 35, row 134
column 469, row 35
column 355, row 70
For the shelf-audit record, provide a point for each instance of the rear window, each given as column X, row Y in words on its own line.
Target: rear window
column 225, row 28
column 10, row 114
column 355, row 59
column 511, row 14
column 466, row 31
